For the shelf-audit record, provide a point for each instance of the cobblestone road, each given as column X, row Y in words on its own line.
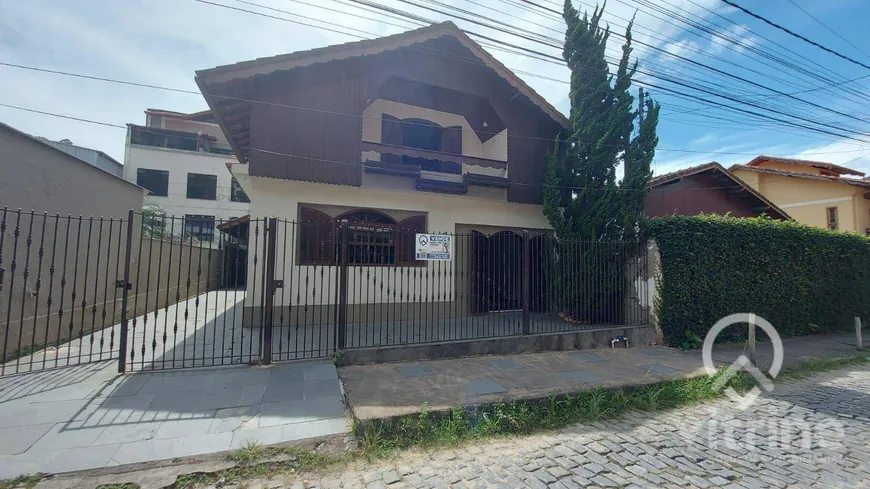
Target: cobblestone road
column 809, row 433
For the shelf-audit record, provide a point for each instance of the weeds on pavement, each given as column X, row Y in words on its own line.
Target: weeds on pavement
column 22, row 481
column 522, row 417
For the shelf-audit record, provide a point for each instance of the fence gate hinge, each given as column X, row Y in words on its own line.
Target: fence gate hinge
column 119, row 284
column 277, row 284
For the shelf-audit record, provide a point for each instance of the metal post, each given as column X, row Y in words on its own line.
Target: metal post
column 527, row 289
column 752, row 338
column 342, row 286
column 269, row 289
column 859, row 335
column 125, row 286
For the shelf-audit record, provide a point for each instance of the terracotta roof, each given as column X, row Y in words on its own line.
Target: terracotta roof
column 863, row 183
column 260, row 66
column 667, row 177
column 714, row 166
column 814, row 164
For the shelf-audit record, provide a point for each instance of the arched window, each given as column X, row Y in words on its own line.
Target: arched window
column 373, row 238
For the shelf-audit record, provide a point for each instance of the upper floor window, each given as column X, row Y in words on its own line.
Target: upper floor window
column 200, row 186
column 423, row 134
column 237, row 193
column 199, row 227
column 157, row 181
column 832, row 218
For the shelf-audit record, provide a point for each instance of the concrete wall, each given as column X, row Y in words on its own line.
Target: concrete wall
column 90, row 156
column 39, row 177
column 179, row 163
column 70, row 290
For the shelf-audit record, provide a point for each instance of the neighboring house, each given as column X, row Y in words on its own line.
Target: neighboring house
column 182, row 160
column 59, row 252
column 708, row 189
column 38, row 176
column 814, row 193
column 92, row 157
column 422, row 131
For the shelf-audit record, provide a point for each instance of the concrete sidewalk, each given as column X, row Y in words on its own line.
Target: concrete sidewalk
column 88, row 416
column 384, row 390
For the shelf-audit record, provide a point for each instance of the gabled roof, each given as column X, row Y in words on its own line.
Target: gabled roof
column 69, row 157
column 719, row 169
column 261, row 66
column 842, row 170
column 863, row 183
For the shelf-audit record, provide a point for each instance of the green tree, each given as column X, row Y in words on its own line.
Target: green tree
column 583, row 201
column 603, row 119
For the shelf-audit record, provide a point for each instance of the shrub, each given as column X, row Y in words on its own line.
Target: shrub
column 801, row 279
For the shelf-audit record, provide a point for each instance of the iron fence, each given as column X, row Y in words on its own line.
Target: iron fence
column 160, row 292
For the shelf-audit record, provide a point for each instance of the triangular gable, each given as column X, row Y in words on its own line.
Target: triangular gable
column 262, row 66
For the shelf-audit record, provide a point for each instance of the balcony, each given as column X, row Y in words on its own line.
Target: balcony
column 434, row 171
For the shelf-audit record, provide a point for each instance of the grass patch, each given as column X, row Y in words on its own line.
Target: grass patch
column 430, row 429
column 22, row 482
column 815, row 365
column 257, row 461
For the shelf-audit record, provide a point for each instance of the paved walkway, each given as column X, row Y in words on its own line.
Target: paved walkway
column 808, row 434
column 384, row 390
column 87, row 416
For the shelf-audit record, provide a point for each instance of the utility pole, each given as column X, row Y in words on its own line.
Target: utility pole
column 639, row 108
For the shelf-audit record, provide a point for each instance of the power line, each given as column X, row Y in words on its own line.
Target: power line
column 361, row 165
column 794, row 34
column 192, row 137
column 832, row 31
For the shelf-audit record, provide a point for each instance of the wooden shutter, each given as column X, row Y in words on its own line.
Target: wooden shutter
column 391, row 130
column 451, row 140
column 406, row 234
column 316, row 238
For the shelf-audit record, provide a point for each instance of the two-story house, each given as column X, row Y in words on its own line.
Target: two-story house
column 182, row 160
column 815, row 193
column 422, row 131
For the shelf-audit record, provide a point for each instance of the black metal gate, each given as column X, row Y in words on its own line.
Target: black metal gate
column 147, row 290
column 155, row 292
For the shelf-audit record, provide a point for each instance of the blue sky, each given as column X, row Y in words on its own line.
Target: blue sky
column 162, row 42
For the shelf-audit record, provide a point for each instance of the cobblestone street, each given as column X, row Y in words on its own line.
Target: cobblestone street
column 809, row 433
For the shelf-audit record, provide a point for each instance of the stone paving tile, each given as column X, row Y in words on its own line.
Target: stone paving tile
column 485, row 386
column 666, row 449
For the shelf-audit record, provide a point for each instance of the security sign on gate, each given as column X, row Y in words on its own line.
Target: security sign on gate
column 434, row 246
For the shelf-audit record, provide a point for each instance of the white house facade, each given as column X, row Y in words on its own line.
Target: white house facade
column 181, row 159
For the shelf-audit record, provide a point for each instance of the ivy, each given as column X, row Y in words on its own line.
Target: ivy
column 801, row 279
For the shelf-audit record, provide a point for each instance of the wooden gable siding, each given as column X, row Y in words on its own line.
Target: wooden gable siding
column 325, row 145
column 699, row 193
column 348, row 86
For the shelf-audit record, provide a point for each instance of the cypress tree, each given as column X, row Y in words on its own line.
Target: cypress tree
column 583, row 200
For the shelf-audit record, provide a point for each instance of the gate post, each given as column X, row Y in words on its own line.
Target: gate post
column 526, row 279
column 125, row 286
column 269, row 289
column 342, row 286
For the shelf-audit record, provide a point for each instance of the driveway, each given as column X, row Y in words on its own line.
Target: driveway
column 84, row 415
